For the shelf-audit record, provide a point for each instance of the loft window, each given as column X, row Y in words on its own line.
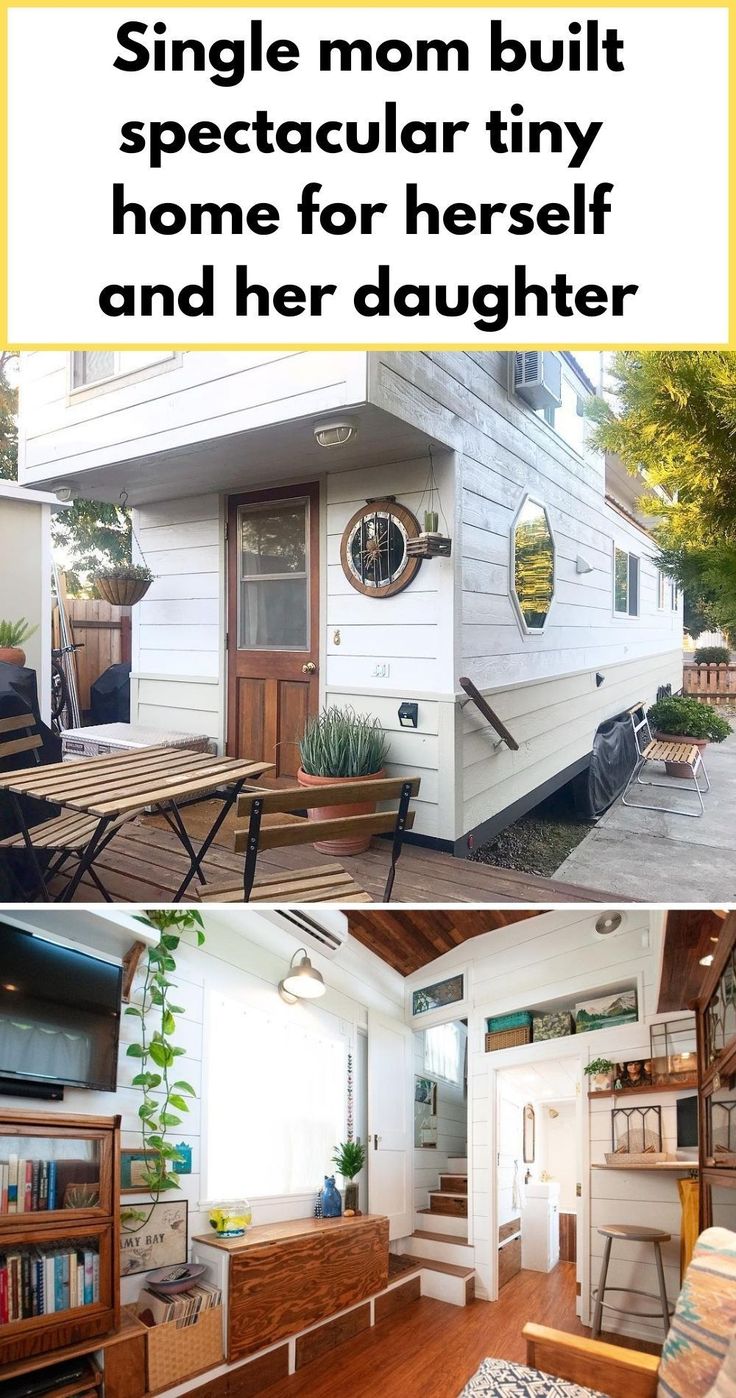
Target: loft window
column 625, row 583
column 91, row 367
column 437, row 996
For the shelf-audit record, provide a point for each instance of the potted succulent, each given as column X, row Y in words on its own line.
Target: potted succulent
column 687, row 720
column 123, row 584
column 12, row 636
column 349, row 1159
column 341, row 746
column 600, row 1074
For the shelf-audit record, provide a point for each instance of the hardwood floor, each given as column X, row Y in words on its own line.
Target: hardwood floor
column 429, row 1349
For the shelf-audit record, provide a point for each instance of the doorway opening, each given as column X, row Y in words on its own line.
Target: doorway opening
column 539, row 1167
column 441, row 1129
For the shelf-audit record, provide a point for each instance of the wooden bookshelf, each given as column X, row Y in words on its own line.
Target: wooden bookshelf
column 85, row 1151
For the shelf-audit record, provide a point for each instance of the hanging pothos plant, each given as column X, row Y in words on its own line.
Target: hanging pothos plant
column 165, row 1097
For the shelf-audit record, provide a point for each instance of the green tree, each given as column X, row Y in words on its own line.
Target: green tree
column 674, row 420
column 8, row 417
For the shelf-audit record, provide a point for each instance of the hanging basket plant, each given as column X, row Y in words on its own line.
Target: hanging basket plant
column 123, row 584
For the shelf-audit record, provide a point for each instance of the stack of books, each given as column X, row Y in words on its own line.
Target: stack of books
column 45, row 1280
column 157, row 1307
column 27, row 1185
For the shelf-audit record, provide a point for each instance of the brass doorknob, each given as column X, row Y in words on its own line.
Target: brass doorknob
column 309, row 668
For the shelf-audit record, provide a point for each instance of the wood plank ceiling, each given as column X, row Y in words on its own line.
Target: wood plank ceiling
column 690, row 933
column 409, row 940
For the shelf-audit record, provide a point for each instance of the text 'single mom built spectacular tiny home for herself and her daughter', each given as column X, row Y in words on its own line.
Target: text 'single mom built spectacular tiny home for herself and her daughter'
column 366, row 528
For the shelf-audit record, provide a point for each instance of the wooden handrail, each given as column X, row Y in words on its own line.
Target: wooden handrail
column 475, row 697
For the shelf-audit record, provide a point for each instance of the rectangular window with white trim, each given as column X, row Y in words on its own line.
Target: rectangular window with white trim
column 444, row 1051
column 276, row 1099
column 625, row 583
column 90, row 367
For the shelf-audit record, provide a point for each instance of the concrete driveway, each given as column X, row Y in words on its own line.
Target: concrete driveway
column 662, row 858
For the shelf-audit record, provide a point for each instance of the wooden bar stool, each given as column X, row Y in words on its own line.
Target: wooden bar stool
column 629, row 1233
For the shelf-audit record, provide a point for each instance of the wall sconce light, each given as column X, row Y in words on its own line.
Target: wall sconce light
column 301, row 982
column 334, row 434
column 582, row 565
column 599, row 679
column 409, row 714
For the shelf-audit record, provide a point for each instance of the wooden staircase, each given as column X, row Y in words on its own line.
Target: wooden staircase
column 451, row 1197
column 439, row 1245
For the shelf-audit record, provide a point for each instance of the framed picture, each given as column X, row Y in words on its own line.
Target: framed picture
column 425, row 1091
column 133, row 1164
column 606, row 1011
column 153, row 1235
column 636, row 1072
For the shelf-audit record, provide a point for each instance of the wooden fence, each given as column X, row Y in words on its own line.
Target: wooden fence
column 103, row 631
column 714, row 683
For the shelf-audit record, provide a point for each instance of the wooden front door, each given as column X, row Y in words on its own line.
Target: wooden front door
column 273, row 623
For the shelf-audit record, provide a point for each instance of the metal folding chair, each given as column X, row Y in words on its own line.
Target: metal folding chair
column 650, row 749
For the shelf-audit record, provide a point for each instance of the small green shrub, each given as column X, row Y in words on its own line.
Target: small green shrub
column 15, row 633
column 341, row 743
column 681, row 714
column 349, row 1159
column 599, row 1065
column 712, row 655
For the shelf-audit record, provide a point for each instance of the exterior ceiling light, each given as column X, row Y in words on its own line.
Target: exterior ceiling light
column 334, row 434
column 301, row 982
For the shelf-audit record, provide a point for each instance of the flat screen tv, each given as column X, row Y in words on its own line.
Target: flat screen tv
column 687, row 1121
column 59, row 1014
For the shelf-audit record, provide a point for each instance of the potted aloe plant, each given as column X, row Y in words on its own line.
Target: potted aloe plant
column 684, row 719
column 341, row 746
column 12, row 636
column 349, row 1159
column 123, row 584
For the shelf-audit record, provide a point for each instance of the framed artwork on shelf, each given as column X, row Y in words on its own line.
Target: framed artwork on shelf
column 153, row 1235
column 637, row 1072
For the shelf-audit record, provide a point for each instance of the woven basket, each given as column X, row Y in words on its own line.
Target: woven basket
column 177, row 1352
column 122, row 592
column 508, row 1038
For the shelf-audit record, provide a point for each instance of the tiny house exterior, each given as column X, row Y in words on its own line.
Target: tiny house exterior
column 276, row 497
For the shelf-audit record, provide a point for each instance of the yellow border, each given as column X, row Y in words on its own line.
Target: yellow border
column 729, row 6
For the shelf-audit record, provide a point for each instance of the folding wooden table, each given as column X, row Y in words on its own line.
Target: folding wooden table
column 109, row 791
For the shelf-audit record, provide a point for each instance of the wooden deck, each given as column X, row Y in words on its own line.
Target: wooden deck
column 144, row 864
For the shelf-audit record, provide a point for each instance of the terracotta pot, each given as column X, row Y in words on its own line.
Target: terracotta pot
column 122, row 592
column 12, row 655
column 681, row 769
column 351, row 844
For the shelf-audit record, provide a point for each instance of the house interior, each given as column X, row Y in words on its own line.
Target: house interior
column 307, row 1151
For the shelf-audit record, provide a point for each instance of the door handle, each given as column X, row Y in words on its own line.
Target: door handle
column 309, row 668
column 376, row 1140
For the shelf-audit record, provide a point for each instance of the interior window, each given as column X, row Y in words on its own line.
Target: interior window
column 276, row 1100
column 444, row 1051
column 625, row 583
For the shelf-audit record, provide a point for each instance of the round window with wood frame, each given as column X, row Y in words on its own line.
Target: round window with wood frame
column 374, row 549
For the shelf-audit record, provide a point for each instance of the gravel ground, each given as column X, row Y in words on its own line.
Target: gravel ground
column 539, row 841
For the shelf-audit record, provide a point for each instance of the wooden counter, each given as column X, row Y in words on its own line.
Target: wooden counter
column 283, row 1277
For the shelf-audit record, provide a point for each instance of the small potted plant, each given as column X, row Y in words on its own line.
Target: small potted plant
column 349, row 1159
column 684, row 719
column 12, row 636
column 600, row 1074
column 123, row 584
column 342, row 746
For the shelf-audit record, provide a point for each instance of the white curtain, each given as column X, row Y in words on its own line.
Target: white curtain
column 444, row 1051
column 276, row 1101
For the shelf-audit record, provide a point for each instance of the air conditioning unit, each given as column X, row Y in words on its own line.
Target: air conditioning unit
column 538, row 377
column 325, row 931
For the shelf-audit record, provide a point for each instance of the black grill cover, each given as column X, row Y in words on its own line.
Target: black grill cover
column 19, row 694
column 611, row 764
column 110, row 696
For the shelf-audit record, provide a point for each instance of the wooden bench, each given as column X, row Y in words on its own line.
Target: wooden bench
column 325, row 883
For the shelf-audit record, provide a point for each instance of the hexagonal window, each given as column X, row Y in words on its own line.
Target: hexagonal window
column 533, row 564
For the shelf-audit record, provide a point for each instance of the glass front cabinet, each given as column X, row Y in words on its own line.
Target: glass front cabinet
column 716, row 1022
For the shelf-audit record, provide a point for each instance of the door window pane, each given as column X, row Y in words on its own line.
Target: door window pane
column 274, row 577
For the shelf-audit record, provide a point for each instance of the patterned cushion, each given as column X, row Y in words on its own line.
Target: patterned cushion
column 725, row 1384
column 704, row 1319
column 498, row 1378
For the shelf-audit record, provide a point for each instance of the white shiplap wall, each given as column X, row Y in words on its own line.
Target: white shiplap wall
column 452, row 1131
column 245, row 971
